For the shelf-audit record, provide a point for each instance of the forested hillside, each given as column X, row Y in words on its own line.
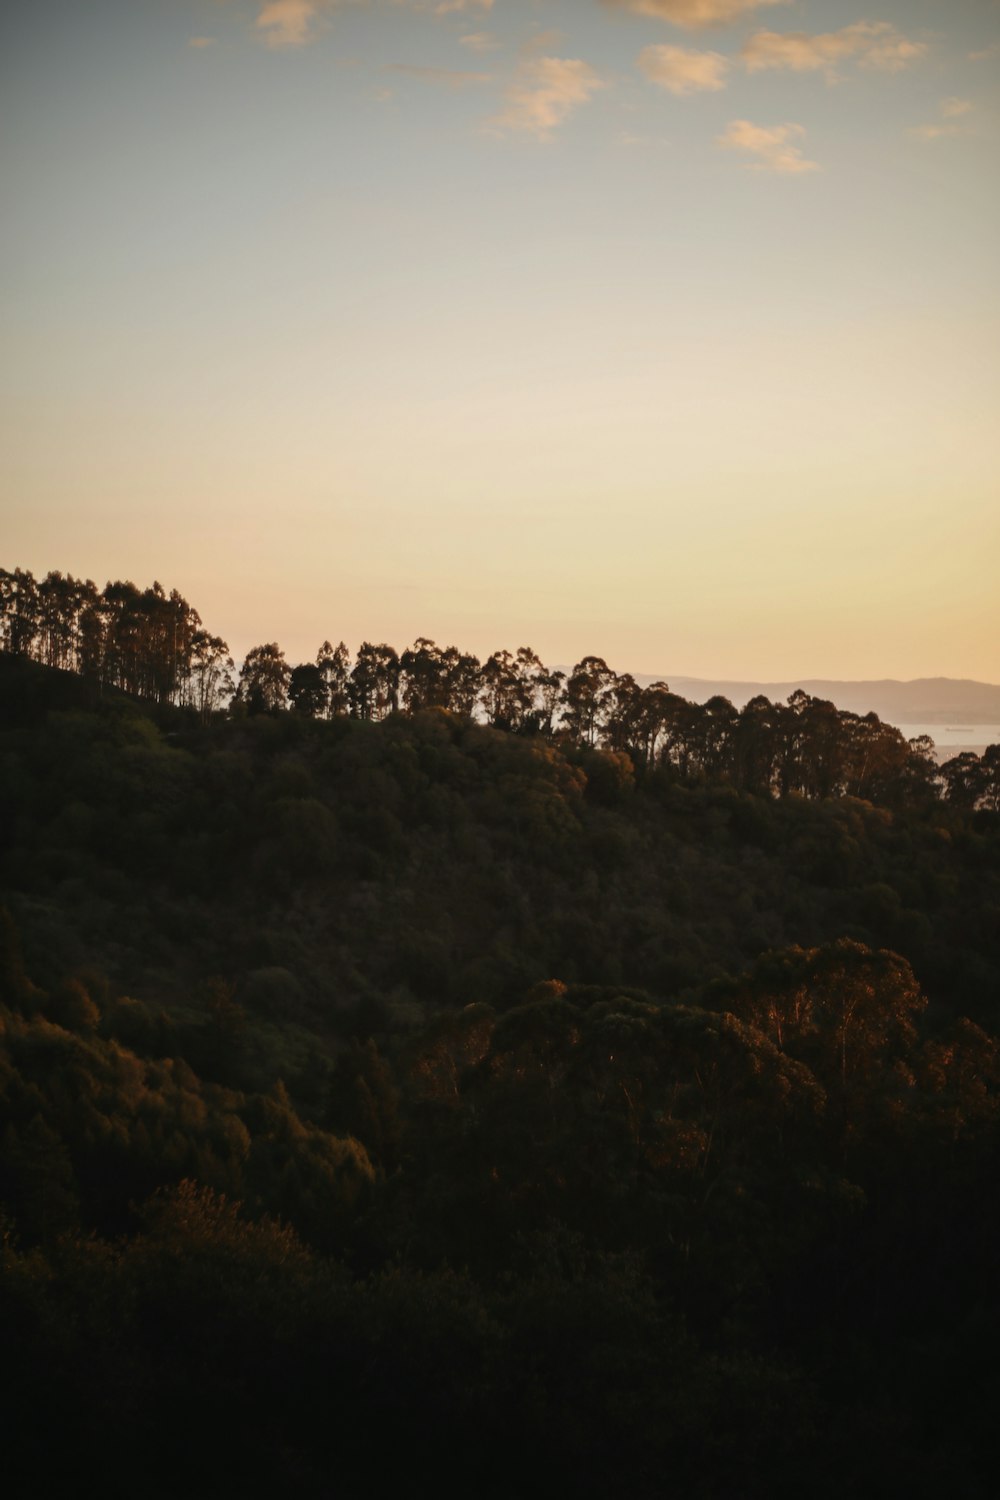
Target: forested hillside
column 413, row 1093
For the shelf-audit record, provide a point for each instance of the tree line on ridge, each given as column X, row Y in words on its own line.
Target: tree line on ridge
column 153, row 645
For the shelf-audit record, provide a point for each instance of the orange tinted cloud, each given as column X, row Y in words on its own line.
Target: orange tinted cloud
column 694, row 15
column 773, row 146
column 872, row 44
column 684, row 71
column 544, row 91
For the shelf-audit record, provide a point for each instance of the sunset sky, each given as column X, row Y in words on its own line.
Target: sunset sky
column 661, row 329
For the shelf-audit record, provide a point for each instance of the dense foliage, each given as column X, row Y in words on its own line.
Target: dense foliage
column 406, row 1100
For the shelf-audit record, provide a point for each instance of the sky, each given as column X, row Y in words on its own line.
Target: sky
column 664, row 330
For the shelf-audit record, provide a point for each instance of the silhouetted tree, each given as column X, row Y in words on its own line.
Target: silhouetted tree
column 587, row 699
column 264, row 679
column 335, row 664
column 307, row 690
column 373, row 686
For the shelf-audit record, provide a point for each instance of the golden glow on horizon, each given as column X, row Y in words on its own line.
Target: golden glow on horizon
column 535, row 361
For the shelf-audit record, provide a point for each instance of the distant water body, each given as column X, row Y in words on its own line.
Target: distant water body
column 950, row 738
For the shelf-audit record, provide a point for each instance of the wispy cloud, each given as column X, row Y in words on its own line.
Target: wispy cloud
column 932, row 132
column 773, row 146
column 694, row 15
column 290, row 23
column 984, row 54
column 872, row 44
column 451, row 7
column 543, row 93
column 542, row 41
column 448, row 78
column 480, row 41
column 683, row 70
column 201, row 42
column 950, row 110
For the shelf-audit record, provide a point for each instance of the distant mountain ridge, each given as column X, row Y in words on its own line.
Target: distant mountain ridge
column 925, row 700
